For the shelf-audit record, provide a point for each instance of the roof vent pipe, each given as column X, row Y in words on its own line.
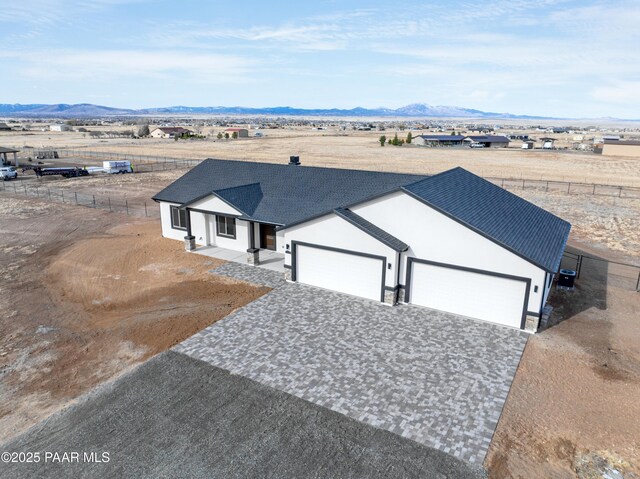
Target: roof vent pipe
column 294, row 160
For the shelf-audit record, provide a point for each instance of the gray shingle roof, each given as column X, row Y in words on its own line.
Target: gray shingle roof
column 442, row 137
column 489, row 138
column 372, row 230
column 499, row 215
column 284, row 193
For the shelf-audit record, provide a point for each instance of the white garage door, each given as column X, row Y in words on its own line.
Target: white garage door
column 343, row 272
column 476, row 295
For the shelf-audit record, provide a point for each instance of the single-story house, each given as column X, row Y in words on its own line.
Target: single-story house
column 60, row 127
column 547, row 143
column 621, row 148
column 452, row 242
column 4, row 127
column 240, row 132
column 169, row 132
column 489, row 141
column 437, row 140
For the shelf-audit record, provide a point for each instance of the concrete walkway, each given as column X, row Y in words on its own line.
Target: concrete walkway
column 268, row 259
column 178, row 417
column 433, row 377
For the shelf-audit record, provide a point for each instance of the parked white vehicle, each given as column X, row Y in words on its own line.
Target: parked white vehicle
column 476, row 145
column 8, row 173
column 117, row 167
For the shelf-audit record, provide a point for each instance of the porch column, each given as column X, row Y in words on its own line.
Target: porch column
column 253, row 253
column 189, row 240
column 15, row 159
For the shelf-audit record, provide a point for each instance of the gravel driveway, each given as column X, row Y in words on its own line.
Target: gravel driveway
column 175, row 416
column 433, row 377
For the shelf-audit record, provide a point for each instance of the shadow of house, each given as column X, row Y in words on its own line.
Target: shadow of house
column 590, row 287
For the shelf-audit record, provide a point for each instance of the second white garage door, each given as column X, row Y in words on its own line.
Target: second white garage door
column 476, row 295
column 340, row 271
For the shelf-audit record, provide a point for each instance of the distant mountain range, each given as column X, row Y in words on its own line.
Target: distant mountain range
column 416, row 110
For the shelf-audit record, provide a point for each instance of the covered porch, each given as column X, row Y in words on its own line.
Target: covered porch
column 4, row 160
column 266, row 259
column 228, row 237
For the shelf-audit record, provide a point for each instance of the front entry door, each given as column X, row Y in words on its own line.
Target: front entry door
column 268, row 237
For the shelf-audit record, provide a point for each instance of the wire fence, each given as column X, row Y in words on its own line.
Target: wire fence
column 622, row 275
column 160, row 163
column 149, row 209
column 567, row 187
column 135, row 159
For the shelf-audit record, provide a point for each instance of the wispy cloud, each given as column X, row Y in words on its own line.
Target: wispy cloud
column 140, row 64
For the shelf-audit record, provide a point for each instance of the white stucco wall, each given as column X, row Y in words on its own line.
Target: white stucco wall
column 435, row 237
column 165, row 220
column 214, row 204
column 333, row 231
column 240, row 243
column 203, row 227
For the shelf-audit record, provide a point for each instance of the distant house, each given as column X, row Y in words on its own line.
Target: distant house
column 4, row 127
column 547, row 143
column 60, row 127
column 621, row 148
column 437, row 140
column 489, row 141
column 240, row 132
column 169, row 132
column 527, row 145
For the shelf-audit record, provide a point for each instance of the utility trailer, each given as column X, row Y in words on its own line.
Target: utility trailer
column 117, row 167
column 66, row 172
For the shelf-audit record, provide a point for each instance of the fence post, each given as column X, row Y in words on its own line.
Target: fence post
column 14, row 188
column 620, row 192
column 62, row 191
column 126, row 205
column 145, row 209
column 594, row 189
column 569, row 188
column 76, row 195
column 49, row 191
column 94, row 201
column 523, row 184
column 109, row 200
column 579, row 266
column 638, row 283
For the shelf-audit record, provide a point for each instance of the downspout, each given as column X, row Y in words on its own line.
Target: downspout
column 397, row 288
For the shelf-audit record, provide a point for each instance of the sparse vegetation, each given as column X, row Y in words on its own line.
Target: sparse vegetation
column 382, row 140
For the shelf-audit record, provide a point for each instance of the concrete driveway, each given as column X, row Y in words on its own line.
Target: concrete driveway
column 433, row 377
column 175, row 416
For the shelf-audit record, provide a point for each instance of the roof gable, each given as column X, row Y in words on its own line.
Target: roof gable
column 507, row 219
column 279, row 193
column 371, row 229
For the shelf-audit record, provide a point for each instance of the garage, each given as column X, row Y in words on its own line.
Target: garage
column 349, row 272
column 492, row 297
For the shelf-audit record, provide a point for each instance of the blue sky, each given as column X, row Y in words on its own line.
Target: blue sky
column 547, row 57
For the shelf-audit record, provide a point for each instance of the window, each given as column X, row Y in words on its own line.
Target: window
column 226, row 226
column 178, row 218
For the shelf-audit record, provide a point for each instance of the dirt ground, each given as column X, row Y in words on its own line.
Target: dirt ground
column 573, row 408
column 86, row 295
